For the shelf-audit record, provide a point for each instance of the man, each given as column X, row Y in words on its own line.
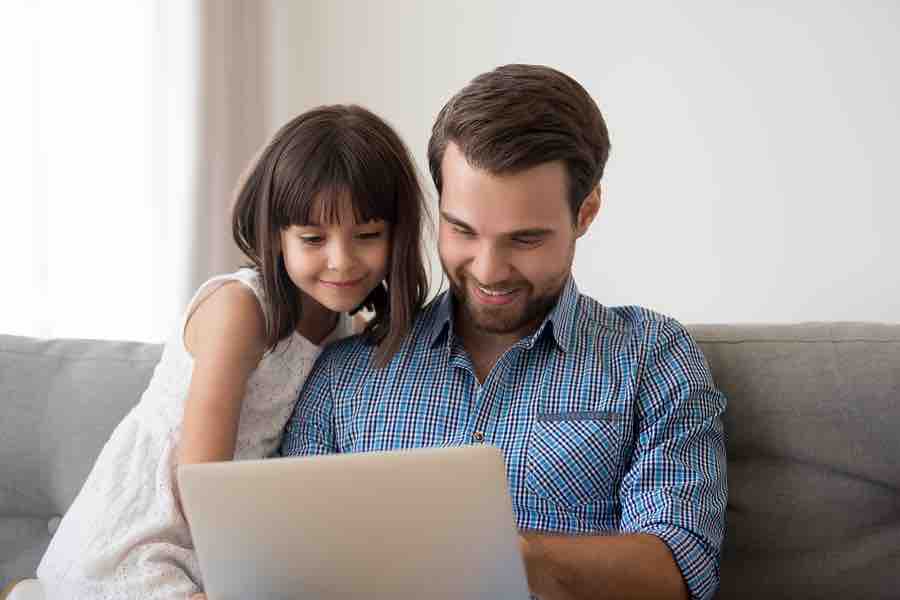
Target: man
column 608, row 417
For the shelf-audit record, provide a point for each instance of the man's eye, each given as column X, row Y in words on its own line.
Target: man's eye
column 527, row 240
column 463, row 232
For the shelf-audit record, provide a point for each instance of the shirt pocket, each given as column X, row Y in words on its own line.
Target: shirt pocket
column 573, row 457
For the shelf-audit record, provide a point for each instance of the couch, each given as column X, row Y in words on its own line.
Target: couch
column 813, row 427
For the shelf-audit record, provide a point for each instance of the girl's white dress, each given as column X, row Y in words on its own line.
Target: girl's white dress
column 124, row 536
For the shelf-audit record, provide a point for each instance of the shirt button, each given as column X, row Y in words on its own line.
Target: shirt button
column 478, row 436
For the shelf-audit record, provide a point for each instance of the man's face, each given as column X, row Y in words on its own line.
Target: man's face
column 507, row 242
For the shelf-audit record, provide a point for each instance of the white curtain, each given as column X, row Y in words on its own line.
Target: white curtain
column 126, row 125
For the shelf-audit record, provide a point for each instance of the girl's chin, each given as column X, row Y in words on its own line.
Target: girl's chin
column 341, row 305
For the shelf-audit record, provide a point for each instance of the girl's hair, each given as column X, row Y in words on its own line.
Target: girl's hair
column 302, row 173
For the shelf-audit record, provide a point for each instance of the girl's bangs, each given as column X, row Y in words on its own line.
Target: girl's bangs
column 339, row 187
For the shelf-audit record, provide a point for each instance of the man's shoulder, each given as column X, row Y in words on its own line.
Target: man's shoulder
column 357, row 349
column 640, row 337
column 632, row 331
column 629, row 320
column 354, row 345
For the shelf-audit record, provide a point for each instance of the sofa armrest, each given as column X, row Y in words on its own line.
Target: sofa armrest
column 24, row 589
column 5, row 592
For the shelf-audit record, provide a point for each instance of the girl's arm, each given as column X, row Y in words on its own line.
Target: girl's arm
column 226, row 337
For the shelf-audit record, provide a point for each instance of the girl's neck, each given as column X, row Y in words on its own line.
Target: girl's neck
column 316, row 321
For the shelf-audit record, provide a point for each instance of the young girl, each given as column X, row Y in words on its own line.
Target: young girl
column 329, row 215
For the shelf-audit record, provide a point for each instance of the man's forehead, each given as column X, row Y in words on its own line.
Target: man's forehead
column 535, row 198
column 455, row 165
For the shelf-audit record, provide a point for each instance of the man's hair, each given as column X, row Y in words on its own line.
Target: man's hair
column 519, row 116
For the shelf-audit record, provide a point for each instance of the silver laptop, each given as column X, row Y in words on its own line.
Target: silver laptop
column 406, row 525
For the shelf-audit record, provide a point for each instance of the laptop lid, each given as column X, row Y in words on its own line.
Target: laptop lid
column 404, row 525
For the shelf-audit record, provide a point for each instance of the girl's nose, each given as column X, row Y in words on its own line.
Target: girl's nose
column 340, row 257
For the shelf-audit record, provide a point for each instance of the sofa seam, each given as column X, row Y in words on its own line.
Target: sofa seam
column 801, row 341
column 81, row 358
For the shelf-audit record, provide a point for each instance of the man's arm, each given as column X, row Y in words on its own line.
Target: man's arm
column 673, row 494
column 600, row 567
column 676, row 486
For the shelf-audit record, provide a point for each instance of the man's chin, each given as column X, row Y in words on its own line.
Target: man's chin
column 494, row 320
column 494, row 324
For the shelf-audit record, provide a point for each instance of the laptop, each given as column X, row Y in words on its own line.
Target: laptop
column 403, row 525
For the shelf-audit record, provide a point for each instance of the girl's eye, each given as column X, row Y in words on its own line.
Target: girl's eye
column 463, row 232
column 312, row 240
column 370, row 235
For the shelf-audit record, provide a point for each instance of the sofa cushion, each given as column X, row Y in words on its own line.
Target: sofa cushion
column 23, row 541
column 813, row 458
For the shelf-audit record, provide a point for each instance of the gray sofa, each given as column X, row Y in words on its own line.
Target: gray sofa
column 813, row 429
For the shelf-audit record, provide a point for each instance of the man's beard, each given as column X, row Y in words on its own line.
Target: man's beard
column 502, row 320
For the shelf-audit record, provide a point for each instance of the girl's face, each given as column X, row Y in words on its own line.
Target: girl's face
column 337, row 264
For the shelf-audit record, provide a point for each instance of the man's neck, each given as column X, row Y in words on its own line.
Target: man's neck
column 474, row 339
column 485, row 348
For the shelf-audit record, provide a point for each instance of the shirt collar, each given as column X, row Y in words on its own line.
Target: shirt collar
column 560, row 320
column 443, row 318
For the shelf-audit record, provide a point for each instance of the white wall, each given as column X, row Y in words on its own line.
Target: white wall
column 753, row 175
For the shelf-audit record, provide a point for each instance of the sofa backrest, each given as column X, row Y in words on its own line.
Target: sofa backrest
column 813, row 427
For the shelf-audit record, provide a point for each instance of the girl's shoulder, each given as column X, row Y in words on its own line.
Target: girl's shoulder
column 227, row 307
column 248, row 279
column 247, row 276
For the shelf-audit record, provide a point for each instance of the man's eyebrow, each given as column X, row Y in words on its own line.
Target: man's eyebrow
column 529, row 232
column 454, row 221
column 533, row 232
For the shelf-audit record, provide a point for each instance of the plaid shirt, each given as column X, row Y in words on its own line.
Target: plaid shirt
column 608, row 419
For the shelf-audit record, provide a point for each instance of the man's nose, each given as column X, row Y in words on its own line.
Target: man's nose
column 489, row 266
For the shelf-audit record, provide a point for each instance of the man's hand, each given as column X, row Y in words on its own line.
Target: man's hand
column 542, row 581
column 590, row 567
column 199, row 596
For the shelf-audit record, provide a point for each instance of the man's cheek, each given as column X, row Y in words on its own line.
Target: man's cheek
column 451, row 257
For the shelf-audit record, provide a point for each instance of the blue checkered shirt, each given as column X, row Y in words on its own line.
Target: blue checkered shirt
column 608, row 419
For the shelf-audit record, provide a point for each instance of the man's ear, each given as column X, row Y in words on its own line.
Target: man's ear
column 588, row 211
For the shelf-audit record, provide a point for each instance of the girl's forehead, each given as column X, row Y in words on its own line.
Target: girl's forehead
column 337, row 207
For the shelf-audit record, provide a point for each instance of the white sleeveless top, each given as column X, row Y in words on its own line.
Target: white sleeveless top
column 125, row 536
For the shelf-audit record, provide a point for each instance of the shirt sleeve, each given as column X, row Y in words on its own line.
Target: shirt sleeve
column 310, row 430
column 676, row 485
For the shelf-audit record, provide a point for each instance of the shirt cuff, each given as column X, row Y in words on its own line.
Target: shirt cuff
column 698, row 565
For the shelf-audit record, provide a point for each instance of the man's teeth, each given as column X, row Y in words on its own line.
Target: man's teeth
column 487, row 292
